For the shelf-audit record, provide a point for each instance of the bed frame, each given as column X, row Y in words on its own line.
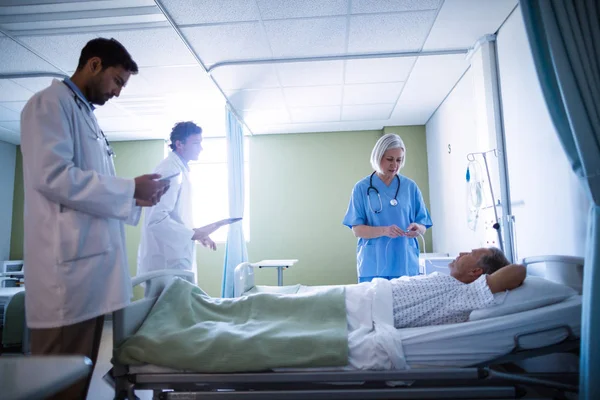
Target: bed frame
column 492, row 380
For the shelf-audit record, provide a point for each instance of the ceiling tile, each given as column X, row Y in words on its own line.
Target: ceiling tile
column 109, row 109
column 313, row 96
column 39, row 6
column 315, row 114
column 14, row 126
column 178, row 79
column 256, row 99
column 372, row 93
column 8, row 115
column 367, row 112
column 236, row 77
column 280, row 9
column 10, row 91
column 228, row 42
column 34, row 84
column 461, row 22
column 431, row 80
column 374, row 70
column 311, row 73
column 9, row 136
column 186, row 12
column 16, row 106
column 384, row 6
column 62, row 50
column 390, row 32
column 307, row 37
column 154, row 47
column 262, row 117
column 16, row 58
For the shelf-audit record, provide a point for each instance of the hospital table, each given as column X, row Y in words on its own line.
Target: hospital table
column 447, row 361
column 36, row 377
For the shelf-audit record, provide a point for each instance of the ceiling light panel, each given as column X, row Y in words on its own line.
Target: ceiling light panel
column 372, row 93
column 314, row 73
column 389, row 32
column 237, row 77
column 313, row 96
column 307, row 37
column 367, row 112
column 386, row 6
column 281, row 9
column 374, row 70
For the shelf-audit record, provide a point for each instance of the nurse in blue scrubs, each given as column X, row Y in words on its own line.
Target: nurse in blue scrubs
column 387, row 214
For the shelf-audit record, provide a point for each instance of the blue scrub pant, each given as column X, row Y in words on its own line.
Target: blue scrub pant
column 362, row 279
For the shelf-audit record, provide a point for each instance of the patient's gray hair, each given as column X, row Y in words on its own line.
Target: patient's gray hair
column 493, row 261
column 386, row 142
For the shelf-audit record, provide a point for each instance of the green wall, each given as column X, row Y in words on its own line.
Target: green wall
column 300, row 185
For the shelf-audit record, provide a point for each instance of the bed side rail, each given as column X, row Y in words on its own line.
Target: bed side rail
column 243, row 279
column 128, row 320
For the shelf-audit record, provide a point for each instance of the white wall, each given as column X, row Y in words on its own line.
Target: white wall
column 553, row 218
column 8, row 154
column 452, row 124
column 548, row 203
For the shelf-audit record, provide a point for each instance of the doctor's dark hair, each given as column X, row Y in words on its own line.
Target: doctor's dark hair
column 181, row 131
column 386, row 142
column 110, row 51
column 493, row 261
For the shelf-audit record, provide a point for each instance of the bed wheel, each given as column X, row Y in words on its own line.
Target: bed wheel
column 126, row 395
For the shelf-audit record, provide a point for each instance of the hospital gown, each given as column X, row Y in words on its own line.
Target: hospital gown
column 437, row 299
column 385, row 257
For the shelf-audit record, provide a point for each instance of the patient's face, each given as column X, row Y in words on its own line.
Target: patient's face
column 463, row 266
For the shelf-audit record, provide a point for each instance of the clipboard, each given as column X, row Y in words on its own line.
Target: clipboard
column 216, row 225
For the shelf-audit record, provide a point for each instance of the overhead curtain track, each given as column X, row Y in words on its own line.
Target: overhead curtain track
column 355, row 56
column 33, row 75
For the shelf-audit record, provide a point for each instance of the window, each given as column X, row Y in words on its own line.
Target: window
column 211, row 193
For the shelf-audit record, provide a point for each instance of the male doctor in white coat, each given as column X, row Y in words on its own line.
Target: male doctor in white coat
column 168, row 234
column 74, row 253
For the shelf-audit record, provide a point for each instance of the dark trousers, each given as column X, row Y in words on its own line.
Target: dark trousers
column 82, row 338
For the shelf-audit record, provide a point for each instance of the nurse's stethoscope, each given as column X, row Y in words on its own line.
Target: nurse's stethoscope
column 393, row 202
column 81, row 104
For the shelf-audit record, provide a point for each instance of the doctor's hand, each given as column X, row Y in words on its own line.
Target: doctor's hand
column 392, row 231
column 149, row 190
column 208, row 242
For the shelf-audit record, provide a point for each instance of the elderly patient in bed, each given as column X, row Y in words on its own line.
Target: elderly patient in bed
column 437, row 299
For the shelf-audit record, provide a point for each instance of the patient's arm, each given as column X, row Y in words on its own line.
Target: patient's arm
column 506, row 278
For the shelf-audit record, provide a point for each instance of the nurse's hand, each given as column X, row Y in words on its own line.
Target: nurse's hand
column 392, row 231
column 415, row 230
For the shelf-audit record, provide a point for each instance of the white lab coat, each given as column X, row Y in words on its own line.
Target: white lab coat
column 75, row 206
column 166, row 241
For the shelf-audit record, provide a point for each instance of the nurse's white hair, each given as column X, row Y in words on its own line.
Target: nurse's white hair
column 386, row 142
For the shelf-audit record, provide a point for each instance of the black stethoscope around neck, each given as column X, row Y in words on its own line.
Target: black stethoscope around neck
column 81, row 105
column 393, row 202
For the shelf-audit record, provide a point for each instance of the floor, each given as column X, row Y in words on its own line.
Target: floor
column 99, row 389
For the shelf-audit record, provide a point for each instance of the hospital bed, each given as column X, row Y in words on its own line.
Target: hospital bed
column 475, row 359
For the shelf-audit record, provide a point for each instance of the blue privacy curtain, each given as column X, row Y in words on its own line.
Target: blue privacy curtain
column 565, row 42
column 235, row 251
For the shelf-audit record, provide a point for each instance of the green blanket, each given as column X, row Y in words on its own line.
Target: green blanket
column 186, row 329
column 14, row 321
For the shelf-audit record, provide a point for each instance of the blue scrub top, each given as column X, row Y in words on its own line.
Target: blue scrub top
column 383, row 256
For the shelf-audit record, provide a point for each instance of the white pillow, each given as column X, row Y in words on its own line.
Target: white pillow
column 535, row 292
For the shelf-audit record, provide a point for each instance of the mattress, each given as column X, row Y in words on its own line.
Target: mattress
column 469, row 343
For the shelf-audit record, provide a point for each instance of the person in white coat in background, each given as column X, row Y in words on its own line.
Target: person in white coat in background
column 74, row 251
column 168, row 234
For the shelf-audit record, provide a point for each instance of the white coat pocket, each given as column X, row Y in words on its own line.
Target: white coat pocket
column 81, row 235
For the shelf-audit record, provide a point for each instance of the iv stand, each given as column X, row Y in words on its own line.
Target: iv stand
column 496, row 226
